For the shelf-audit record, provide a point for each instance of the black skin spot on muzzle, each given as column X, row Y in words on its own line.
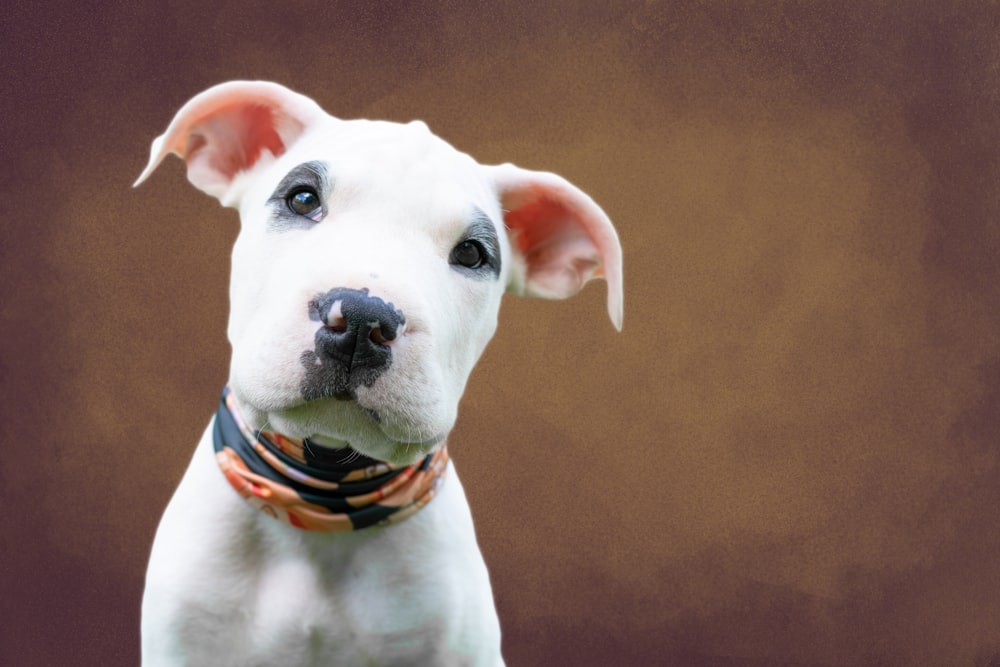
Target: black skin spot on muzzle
column 352, row 349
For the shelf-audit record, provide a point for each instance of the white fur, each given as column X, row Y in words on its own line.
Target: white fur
column 228, row 585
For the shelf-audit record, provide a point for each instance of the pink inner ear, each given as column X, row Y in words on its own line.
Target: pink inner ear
column 538, row 224
column 544, row 225
column 241, row 134
column 261, row 133
column 562, row 237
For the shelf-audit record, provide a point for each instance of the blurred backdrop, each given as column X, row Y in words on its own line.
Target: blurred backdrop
column 789, row 456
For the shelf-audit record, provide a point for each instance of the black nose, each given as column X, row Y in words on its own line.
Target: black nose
column 353, row 345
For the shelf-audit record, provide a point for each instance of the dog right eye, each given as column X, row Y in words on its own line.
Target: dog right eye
column 305, row 202
column 469, row 254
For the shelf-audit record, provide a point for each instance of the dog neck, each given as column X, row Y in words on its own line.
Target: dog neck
column 316, row 488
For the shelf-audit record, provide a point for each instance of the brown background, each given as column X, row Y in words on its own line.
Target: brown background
column 790, row 456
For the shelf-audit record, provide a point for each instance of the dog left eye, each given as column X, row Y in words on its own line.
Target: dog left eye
column 469, row 254
column 305, row 202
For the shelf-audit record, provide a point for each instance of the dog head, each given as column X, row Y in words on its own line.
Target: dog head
column 371, row 261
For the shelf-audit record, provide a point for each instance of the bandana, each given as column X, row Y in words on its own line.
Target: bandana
column 319, row 488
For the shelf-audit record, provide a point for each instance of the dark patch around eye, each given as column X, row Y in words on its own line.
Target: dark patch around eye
column 292, row 196
column 482, row 233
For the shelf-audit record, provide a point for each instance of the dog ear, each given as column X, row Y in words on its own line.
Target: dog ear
column 226, row 129
column 560, row 237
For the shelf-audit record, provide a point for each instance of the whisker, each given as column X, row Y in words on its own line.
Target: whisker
column 263, row 428
column 351, row 456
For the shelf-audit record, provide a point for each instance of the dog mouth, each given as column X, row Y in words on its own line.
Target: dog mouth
column 342, row 426
column 380, row 438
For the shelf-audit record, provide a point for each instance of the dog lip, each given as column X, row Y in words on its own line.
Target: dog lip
column 326, row 441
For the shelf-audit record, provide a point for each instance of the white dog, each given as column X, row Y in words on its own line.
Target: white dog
column 366, row 282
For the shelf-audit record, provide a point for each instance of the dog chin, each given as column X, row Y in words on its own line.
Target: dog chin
column 407, row 453
column 395, row 452
column 337, row 424
column 375, row 443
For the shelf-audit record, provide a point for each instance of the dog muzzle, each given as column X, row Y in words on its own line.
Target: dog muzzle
column 319, row 489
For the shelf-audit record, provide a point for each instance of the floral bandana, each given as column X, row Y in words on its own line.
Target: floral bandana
column 316, row 488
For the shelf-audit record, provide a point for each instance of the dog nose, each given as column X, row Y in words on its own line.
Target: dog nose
column 356, row 333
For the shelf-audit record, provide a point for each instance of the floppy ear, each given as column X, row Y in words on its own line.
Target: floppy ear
column 226, row 129
column 560, row 237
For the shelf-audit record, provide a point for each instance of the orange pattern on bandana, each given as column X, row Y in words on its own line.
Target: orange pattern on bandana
column 272, row 473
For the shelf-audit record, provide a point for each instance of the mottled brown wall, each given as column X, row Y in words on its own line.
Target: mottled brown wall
column 789, row 456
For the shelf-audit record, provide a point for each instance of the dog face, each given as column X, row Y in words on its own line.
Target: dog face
column 388, row 220
column 371, row 262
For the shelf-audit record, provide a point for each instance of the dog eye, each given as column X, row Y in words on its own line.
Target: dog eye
column 469, row 254
column 305, row 202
